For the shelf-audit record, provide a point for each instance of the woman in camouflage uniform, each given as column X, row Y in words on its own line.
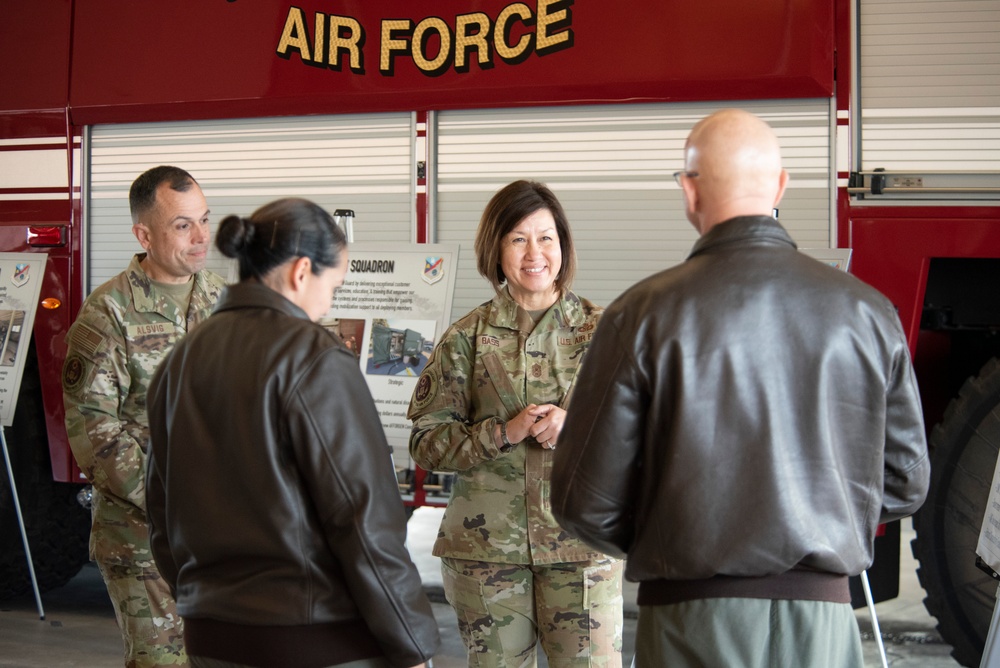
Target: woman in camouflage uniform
column 490, row 405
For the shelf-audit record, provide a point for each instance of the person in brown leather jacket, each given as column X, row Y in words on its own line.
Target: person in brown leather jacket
column 273, row 508
column 743, row 423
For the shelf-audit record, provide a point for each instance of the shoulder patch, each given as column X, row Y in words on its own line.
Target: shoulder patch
column 85, row 338
column 74, row 373
column 425, row 391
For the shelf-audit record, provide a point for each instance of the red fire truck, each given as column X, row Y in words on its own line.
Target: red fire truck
column 888, row 113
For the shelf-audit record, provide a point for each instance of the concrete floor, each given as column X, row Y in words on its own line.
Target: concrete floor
column 79, row 627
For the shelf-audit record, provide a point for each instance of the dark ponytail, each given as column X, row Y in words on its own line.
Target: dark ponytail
column 280, row 231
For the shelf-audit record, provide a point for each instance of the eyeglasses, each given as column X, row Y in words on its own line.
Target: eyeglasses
column 690, row 175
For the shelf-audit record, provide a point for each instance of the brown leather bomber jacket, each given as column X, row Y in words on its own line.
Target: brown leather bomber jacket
column 273, row 507
column 750, row 412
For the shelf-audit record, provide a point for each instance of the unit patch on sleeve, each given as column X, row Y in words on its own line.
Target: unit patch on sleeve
column 74, row 373
column 425, row 391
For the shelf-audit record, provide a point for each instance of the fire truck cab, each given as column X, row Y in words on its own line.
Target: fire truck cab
column 888, row 113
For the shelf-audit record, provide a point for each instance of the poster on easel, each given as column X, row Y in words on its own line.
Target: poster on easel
column 838, row 258
column 988, row 547
column 988, row 550
column 21, row 277
column 393, row 307
column 20, row 285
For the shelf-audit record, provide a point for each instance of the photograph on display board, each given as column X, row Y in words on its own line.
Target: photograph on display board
column 399, row 347
column 350, row 330
column 11, row 323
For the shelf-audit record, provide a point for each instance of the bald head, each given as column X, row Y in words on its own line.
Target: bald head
column 738, row 162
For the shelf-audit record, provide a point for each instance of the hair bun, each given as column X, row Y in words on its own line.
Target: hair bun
column 234, row 236
column 248, row 231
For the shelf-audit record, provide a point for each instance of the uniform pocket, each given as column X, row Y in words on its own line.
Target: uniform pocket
column 602, row 602
column 462, row 591
column 602, row 584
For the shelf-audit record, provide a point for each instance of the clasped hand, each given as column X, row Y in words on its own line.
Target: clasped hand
column 542, row 422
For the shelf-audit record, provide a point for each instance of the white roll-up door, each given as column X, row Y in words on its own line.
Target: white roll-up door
column 611, row 167
column 930, row 85
column 359, row 162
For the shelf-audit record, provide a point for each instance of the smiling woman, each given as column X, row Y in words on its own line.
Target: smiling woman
column 531, row 260
column 523, row 229
column 490, row 405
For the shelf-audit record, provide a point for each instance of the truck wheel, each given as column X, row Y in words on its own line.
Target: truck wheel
column 963, row 456
column 58, row 527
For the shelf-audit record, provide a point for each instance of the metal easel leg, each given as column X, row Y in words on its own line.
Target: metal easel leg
column 871, row 608
column 990, row 659
column 20, row 522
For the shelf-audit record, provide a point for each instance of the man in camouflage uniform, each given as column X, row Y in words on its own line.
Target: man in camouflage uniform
column 123, row 330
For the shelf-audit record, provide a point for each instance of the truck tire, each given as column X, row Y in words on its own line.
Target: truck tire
column 58, row 527
column 963, row 456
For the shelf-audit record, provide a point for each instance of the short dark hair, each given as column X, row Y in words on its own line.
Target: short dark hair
column 142, row 194
column 277, row 232
column 509, row 206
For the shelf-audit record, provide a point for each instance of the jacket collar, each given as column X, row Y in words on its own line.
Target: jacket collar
column 566, row 312
column 743, row 231
column 251, row 294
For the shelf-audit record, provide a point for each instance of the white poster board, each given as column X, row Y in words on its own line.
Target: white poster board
column 989, row 550
column 838, row 258
column 989, row 534
column 391, row 310
column 20, row 285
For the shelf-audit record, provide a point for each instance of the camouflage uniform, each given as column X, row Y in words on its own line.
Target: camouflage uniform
column 500, row 543
column 122, row 332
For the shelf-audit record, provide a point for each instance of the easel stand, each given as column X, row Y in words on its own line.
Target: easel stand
column 991, row 653
column 871, row 609
column 20, row 522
